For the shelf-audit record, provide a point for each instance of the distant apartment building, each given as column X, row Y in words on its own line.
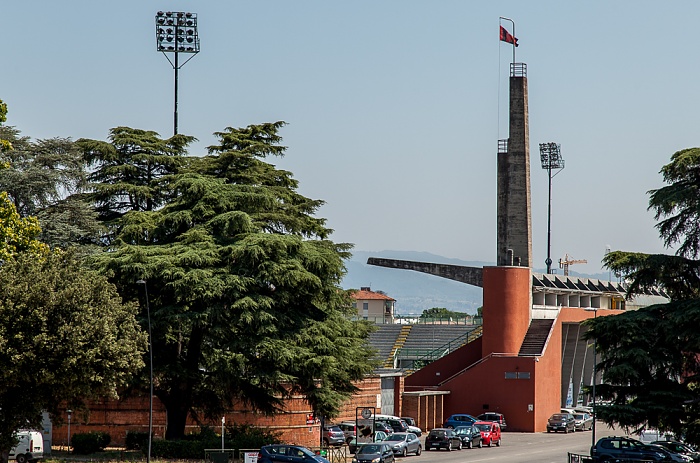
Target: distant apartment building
column 374, row 305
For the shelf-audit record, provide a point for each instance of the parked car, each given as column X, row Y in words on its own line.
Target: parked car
column 379, row 436
column 582, row 421
column 679, row 447
column 490, row 432
column 443, row 438
column 382, row 426
column 624, row 448
column 349, row 430
column 459, row 419
column 495, row 417
column 561, row 422
column 374, row 453
column 470, row 435
column 333, row 436
column 403, row 443
column 672, row 456
column 288, row 453
column 398, row 425
column 412, row 427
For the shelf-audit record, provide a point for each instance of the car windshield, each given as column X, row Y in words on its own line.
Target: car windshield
column 484, row 427
column 437, row 433
column 578, row 417
column 558, row 416
column 369, row 449
column 462, row 430
column 396, row 437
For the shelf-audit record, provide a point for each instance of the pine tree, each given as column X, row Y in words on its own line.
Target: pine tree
column 243, row 284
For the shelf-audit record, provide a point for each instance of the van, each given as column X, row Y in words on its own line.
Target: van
column 29, row 448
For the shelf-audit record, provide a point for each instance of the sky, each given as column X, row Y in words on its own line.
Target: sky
column 394, row 108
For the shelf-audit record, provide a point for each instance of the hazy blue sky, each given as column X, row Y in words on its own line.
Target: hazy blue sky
column 392, row 106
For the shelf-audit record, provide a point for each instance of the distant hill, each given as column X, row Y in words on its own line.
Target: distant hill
column 414, row 291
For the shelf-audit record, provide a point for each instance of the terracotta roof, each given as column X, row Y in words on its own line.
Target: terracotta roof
column 370, row 295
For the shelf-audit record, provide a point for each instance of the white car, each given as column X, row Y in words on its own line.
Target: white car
column 412, row 426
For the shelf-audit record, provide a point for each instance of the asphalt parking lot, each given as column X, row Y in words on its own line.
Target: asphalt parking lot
column 521, row 448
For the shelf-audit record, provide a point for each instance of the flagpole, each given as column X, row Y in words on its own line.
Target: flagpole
column 513, row 23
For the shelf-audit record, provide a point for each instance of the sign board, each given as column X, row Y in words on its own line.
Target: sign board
column 309, row 418
column 250, row 457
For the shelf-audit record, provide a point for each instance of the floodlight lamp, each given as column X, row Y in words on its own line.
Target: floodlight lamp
column 180, row 32
column 180, row 14
column 190, row 49
column 160, row 13
column 170, row 47
column 169, row 30
column 170, row 22
column 190, row 32
column 169, row 14
column 190, row 39
column 169, row 38
column 161, row 20
column 189, row 22
column 189, row 15
column 181, row 48
column 180, row 39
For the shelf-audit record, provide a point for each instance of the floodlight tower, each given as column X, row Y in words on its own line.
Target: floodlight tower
column 550, row 155
column 176, row 32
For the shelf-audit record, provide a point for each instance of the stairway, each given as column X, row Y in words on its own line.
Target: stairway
column 536, row 337
column 400, row 341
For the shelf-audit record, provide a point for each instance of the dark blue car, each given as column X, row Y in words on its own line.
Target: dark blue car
column 288, row 453
column 459, row 419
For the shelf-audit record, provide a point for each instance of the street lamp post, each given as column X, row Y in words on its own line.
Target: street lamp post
column 595, row 373
column 69, row 412
column 550, row 156
column 150, row 376
column 176, row 32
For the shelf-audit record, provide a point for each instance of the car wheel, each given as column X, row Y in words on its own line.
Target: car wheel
column 21, row 458
column 498, row 443
column 566, row 430
column 325, row 442
column 420, row 449
column 481, row 443
column 469, row 444
column 459, row 447
column 489, row 444
column 449, row 446
column 404, row 453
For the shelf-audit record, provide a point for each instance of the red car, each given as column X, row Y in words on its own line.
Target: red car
column 490, row 432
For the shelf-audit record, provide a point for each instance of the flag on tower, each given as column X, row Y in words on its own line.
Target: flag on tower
column 507, row 37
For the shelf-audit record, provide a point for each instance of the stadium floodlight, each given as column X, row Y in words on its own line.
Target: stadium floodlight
column 176, row 32
column 550, row 155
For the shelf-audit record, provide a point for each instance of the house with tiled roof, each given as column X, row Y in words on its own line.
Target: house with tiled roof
column 373, row 305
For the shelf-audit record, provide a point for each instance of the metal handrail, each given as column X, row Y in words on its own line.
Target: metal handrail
column 481, row 360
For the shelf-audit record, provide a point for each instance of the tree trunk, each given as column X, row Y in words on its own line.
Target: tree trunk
column 178, row 399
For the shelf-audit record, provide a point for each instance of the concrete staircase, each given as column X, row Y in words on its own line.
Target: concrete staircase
column 400, row 341
column 536, row 337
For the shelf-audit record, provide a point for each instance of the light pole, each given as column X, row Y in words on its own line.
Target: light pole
column 69, row 412
column 150, row 376
column 550, row 157
column 176, row 32
column 595, row 373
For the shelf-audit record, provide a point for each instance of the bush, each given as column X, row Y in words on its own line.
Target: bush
column 193, row 446
column 90, row 442
column 136, row 440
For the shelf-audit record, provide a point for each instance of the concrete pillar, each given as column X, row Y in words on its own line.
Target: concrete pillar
column 514, row 218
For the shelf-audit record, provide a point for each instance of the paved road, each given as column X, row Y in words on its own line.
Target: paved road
column 519, row 448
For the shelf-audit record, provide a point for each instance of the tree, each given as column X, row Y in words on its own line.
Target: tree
column 650, row 357
column 441, row 312
column 17, row 235
column 65, row 336
column 44, row 179
column 243, row 284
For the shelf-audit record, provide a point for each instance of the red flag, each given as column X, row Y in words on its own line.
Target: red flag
column 507, row 37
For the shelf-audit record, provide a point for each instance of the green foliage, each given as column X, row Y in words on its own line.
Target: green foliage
column 192, row 446
column 136, row 440
column 64, row 333
column 90, row 442
column 44, row 179
column 243, row 282
column 18, row 235
column 442, row 313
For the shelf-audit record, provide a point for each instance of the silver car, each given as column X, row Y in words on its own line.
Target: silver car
column 403, row 443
